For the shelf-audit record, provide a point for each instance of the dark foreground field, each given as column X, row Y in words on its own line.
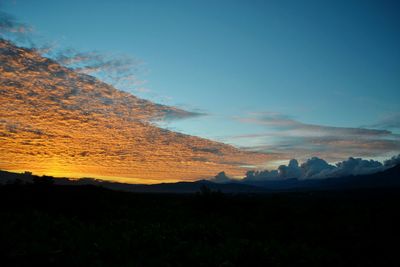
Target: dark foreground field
column 89, row 226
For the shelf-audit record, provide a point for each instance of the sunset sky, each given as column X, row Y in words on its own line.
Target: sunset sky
column 294, row 79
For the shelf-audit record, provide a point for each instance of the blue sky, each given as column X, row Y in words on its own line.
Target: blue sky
column 251, row 64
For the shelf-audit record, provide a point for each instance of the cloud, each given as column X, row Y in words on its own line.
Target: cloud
column 179, row 114
column 221, row 178
column 256, row 176
column 312, row 168
column 119, row 70
column 58, row 122
column 316, row 168
column 22, row 34
column 13, row 29
column 143, row 90
column 395, row 160
column 356, row 166
column 292, row 170
column 290, row 138
column 389, row 122
column 9, row 24
column 284, row 122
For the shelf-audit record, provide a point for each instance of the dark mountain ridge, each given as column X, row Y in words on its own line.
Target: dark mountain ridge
column 385, row 179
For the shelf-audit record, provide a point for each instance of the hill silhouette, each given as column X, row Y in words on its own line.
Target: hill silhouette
column 389, row 178
column 87, row 225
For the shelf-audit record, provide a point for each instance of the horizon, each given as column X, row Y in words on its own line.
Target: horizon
column 283, row 172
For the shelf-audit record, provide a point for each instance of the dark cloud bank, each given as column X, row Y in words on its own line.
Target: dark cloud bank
column 315, row 168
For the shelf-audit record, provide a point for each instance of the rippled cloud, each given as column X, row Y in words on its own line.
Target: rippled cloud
column 54, row 120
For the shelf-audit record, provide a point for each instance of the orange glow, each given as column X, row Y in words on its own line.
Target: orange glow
column 57, row 122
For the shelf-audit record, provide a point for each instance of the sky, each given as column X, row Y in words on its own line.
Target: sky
column 295, row 78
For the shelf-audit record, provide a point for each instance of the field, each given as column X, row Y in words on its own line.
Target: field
column 92, row 226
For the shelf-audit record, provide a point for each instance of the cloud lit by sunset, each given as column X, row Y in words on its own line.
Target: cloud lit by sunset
column 58, row 122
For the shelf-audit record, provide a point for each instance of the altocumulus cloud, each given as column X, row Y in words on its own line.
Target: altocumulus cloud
column 9, row 24
column 287, row 138
column 120, row 71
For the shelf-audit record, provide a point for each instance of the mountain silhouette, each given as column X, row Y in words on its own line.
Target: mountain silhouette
column 389, row 178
